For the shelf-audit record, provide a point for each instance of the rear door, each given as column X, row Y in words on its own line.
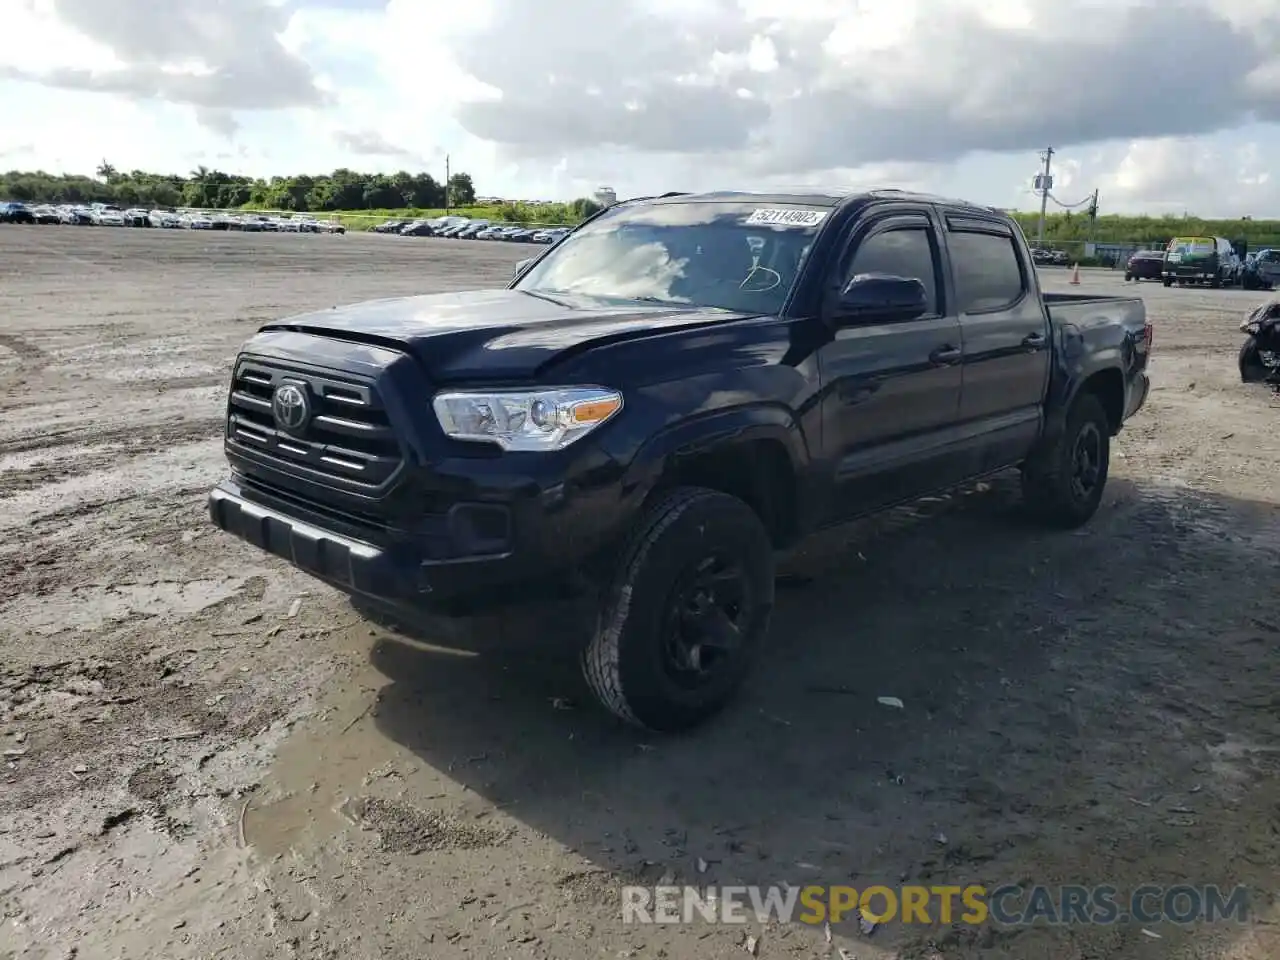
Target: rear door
column 1005, row 333
column 891, row 390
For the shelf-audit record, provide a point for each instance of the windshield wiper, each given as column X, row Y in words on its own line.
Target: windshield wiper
column 665, row 303
column 543, row 296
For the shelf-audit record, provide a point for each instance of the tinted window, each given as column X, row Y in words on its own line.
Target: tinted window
column 987, row 269
column 905, row 252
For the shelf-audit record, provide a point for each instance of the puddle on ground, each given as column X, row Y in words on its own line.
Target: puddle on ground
column 338, row 776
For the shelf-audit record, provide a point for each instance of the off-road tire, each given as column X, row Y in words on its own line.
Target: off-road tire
column 1047, row 478
column 622, row 663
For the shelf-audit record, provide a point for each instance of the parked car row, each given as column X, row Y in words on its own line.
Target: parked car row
column 110, row 215
column 466, row 228
column 1043, row 256
column 1211, row 261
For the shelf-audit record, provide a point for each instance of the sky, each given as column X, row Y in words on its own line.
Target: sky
column 1162, row 107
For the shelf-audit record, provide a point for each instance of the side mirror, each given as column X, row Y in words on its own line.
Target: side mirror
column 881, row 298
column 521, row 267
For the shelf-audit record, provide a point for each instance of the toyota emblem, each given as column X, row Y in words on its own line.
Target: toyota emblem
column 290, row 406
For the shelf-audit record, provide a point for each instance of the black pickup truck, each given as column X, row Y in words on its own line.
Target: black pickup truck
column 656, row 404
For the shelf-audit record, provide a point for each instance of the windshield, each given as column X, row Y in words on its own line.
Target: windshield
column 730, row 255
column 1193, row 245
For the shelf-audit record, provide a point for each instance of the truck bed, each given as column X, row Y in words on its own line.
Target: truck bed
column 1086, row 311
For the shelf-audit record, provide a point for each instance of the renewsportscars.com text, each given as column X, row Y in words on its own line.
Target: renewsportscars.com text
column 1008, row 905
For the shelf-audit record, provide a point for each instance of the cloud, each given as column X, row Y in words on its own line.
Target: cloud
column 1177, row 174
column 373, row 144
column 220, row 122
column 213, row 56
column 931, row 83
column 551, row 99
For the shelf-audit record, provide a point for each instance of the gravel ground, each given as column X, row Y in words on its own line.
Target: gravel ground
column 208, row 754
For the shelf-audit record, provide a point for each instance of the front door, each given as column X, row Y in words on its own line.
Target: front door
column 891, row 390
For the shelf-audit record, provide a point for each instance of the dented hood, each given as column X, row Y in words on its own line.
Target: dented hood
column 496, row 333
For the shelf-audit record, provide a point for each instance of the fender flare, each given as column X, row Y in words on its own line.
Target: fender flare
column 718, row 428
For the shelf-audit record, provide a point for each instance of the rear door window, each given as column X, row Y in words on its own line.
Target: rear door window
column 988, row 271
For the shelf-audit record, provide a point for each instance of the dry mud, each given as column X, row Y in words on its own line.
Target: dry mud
column 190, row 771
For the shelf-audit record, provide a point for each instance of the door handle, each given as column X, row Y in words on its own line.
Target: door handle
column 1033, row 340
column 944, row 356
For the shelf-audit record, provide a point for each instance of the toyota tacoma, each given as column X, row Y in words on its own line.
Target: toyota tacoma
column 652, row 407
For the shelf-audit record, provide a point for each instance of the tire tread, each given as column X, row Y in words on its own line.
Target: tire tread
column 601, row 658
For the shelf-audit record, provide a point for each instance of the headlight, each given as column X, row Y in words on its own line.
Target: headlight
column 549, row 419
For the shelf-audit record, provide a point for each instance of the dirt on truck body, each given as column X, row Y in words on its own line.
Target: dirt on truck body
column 207, row 753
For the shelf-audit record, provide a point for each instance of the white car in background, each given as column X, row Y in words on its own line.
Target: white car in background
column 107, row 215
column 197, row 221
column 164, row 219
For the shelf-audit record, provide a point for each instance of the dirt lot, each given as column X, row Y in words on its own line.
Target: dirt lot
column 207, row 754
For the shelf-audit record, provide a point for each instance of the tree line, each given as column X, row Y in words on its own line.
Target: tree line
column 342, row 189
column 1074, row 229
column 352, row 191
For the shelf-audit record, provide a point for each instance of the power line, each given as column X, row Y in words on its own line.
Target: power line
column 1068, row 206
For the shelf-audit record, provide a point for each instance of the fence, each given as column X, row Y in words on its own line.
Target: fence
column 1114, row 253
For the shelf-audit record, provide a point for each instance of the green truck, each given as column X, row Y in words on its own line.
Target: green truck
column 1209, row 260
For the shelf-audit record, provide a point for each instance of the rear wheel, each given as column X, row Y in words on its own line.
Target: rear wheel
column 683, row 621
column 1063, row 484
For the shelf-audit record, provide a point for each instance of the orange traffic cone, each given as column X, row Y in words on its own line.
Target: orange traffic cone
column 1075, row 275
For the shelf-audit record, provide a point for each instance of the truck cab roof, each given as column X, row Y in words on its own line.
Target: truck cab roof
column 817, row 197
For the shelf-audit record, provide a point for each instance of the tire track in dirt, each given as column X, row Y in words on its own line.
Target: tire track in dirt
column 28, row 358
column 143, row 438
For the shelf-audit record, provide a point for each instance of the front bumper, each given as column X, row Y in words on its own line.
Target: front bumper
column 355, row 566
column 474, row 556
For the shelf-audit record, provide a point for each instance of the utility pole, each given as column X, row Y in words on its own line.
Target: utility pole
column 446, row 185
column 1044, row 183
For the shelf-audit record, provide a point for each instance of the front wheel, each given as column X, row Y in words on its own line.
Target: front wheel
column 683, row 621
column 1063, row 483
column 1167, row 283
column 1128, row 277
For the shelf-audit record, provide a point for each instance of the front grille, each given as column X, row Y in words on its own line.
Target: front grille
column 347, row 443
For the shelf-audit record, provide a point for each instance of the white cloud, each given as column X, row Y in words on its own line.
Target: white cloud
column 559, row 96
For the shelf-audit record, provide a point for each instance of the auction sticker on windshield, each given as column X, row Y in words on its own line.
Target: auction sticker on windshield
column 786, row 218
